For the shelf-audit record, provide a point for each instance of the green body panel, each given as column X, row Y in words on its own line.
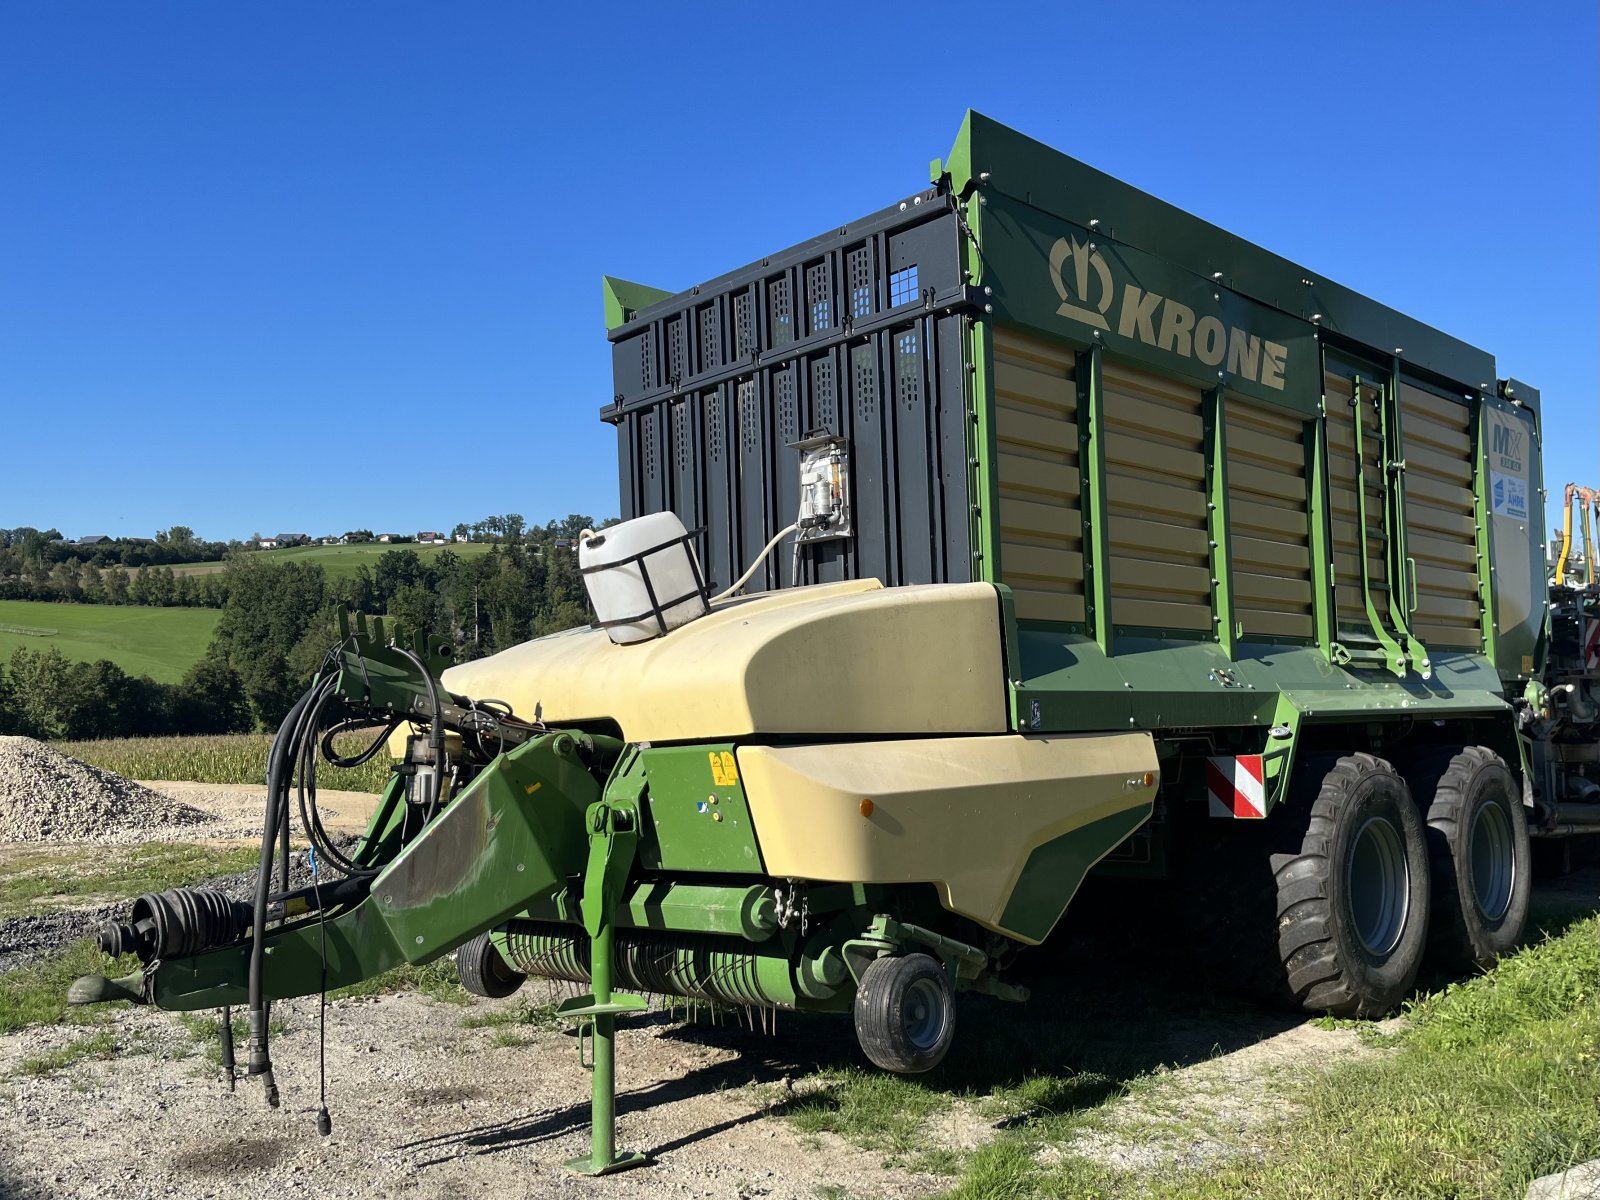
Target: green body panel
column 1064, row 683
column 1224, row 620
column 1077, row 283
column 1054, row 871
column 1009, row 164
column 623, row 299
column 1092, row 498
column 512, row 837
column 698, row 819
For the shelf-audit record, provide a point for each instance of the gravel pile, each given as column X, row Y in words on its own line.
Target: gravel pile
column 47, row 796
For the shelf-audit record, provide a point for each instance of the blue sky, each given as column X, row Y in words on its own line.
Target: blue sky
column 318, row 266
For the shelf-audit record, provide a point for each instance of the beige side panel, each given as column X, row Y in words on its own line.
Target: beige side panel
column 1041, row 526
column 1155, row 496
column 1440, row 508
column 847, row 658
column 1348, row 542
column 1268, row 522
column 961, row 813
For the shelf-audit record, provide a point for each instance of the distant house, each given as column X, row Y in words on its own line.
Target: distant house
column 293, row 539
column 94, row 539
column 428, row 537
column 330, row 540
column 388, row 537
column 563, row 543
column 268, row 543
column 462, row 537
column 138, row 541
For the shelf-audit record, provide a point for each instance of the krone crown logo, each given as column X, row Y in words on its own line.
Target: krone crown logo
column 1085, row 260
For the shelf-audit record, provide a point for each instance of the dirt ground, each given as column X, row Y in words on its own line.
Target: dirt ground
column 238, row 807
column 424, row 1106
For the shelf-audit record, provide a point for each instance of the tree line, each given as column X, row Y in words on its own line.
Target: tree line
column 279, row 620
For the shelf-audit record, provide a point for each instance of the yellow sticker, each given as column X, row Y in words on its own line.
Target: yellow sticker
column 1527, row 664
column 724, row 771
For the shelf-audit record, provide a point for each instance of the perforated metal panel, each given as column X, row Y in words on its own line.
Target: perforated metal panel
column 858, row 333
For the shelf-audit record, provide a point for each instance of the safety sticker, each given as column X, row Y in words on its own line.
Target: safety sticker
column 1236, row 786
column 724, row 771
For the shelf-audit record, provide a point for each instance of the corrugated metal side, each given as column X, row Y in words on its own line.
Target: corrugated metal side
column 1160, row 548
column 1268, row 523
column 1349, row 540
column 1036, row 427
column 1440, row 523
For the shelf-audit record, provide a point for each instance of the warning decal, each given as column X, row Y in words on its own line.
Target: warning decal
column 1236, row 786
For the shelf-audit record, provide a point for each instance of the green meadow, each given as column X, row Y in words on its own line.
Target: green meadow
column 162, row 643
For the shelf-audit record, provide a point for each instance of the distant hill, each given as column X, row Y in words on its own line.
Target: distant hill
column 162, row 643
column 340, row 561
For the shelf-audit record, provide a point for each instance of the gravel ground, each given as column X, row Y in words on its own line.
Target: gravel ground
column 422, row 1107
column 47, row 796
column 25, row 938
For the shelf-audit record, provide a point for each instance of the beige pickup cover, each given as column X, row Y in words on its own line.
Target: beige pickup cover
column 844, row 658
column 964, row 814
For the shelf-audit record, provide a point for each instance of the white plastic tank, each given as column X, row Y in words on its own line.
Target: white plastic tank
column 616, row 563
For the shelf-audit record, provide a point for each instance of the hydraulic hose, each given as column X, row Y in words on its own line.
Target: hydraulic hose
column 277, row 816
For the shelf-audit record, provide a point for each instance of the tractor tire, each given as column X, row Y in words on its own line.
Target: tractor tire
column 1353, row 898
column 1478, row 844
column 905, row 1013
column 483, row 972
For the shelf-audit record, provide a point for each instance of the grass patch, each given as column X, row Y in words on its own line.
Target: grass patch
column 102, row 1044
column 53, row 878
column 514, row 1025
column 162, row 643
column 1491, row 1083
column 37, row 993
column 1484, row 1085
column 516, row 1016
column 868, row 1108
column 222, row 758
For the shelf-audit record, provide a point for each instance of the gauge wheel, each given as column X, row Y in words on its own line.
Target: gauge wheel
column 905, row 1013
column 483, row 972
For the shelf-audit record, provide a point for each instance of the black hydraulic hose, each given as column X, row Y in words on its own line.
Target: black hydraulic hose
column 309, row 817
column 366, row 755
column 277, row 816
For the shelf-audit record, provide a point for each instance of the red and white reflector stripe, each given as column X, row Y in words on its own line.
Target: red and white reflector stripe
column 1591, row 644
column 1236, row 787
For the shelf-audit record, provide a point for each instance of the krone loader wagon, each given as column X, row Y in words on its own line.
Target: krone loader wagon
column 1025, row 527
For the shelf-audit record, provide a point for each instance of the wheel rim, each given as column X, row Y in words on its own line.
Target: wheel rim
column 1494, row 867
column 925, row 1014
column 1378, row 884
